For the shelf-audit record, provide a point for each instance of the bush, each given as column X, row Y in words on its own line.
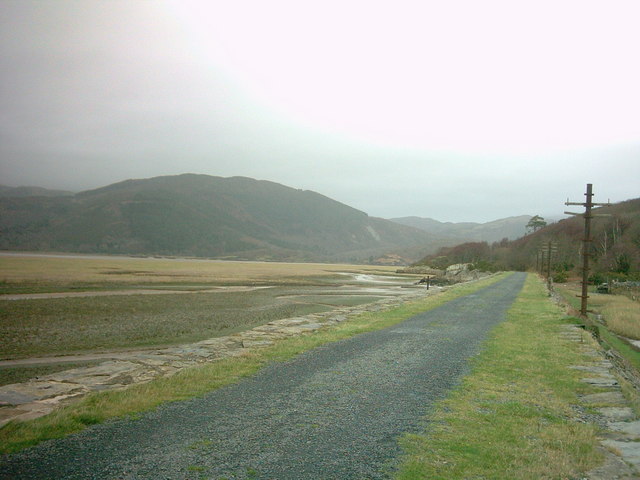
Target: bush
column 560, row 277
column 596, row 278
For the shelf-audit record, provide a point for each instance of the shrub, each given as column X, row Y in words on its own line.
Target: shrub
column 560, row 277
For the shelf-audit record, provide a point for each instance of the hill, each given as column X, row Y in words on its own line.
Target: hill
column 205, row 216
column 31, row 192
column 615, row 248
column 510, row 228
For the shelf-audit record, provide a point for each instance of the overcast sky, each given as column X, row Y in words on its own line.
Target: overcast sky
column 455, row 110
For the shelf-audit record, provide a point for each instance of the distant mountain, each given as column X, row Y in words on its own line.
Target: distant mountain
column 205, row 216
column 31, row 192
column 511, row 228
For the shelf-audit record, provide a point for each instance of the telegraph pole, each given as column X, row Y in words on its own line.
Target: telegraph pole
column 586, row 242
column 543, row 259
column 551, row 249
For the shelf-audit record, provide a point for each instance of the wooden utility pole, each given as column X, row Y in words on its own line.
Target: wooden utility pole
column 551, row 249
column 544, row 254
column 586, row 243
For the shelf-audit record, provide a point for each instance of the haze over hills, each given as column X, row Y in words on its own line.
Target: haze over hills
column 510, row 228
column 31, row 192
column 206, row 216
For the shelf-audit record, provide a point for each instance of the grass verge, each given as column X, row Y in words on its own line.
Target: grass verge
column 511, row 416
column 196, row 381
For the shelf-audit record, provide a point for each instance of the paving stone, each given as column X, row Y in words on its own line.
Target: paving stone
column 23, row 393
column 154, row 360
column 9, row 413
column 617, row 414
column 251, row 343
column 614, row 398
column 590, row 352
column 614, row 468
column 602, row 381
column 630, row 451
column 630, row 428
column 106, row 373
column 29, row 412
column 597, row 369
column 12, row 397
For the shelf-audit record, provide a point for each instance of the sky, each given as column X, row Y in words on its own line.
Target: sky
column 456, row 110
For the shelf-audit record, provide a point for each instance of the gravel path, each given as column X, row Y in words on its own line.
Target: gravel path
column 335, row 412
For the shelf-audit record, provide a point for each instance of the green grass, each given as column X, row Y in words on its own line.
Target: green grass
column 511, row 418
column 196, row 381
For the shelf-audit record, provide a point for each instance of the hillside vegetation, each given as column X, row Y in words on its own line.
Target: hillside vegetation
column 615, row 248
column 204, row 216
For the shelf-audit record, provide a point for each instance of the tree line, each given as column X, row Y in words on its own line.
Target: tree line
column 615, row 247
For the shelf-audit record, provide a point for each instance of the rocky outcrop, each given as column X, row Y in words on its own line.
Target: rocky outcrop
column 421, row 270
column 461, row 272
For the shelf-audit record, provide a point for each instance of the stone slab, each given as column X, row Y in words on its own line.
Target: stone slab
column 154, row 360
column 630, row 428
column 104, row 374
column 23, row 393
column 596, row 369
column 609, row 381
column 613, row 468
column 630, row 451
column 11, row 397
column 256, row 343
column 617, row 414
column 614, row 398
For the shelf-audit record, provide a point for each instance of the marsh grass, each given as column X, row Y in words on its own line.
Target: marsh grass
column 197, row 381
column 510, row 418
column 33, row 274
column 52, row 326
column 87, row 324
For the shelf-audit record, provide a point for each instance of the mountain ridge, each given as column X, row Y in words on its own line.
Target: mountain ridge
column 205, row 216
column 510, row 227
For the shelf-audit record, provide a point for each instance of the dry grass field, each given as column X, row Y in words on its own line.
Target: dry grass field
column 57, row 326
column 621, row 313
column 20, row 274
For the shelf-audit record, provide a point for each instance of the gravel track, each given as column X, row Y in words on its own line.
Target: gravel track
column 335, row 412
